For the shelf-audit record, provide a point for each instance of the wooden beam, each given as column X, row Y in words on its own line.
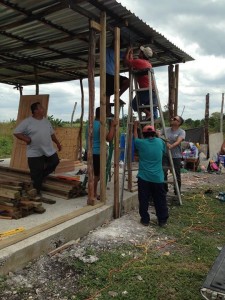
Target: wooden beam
column 40, row 228
column 91, row 84
column 82, row 116
column 176, row 89
column 116, row 111
column 103, row 107
column 95, row 25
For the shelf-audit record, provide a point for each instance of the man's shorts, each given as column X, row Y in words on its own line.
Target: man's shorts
column 96, row 164
column 110, row 83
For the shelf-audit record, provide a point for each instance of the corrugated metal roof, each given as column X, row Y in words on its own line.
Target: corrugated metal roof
column 51, row 37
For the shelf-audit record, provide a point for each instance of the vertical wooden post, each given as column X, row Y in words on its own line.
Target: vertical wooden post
column 91, row 83
column 82, row 116
column 176, row 89
column 103, row 107
column 36, row 80
column 170, row 86
column 116, row 111
column 221, row 114
column 207, row 123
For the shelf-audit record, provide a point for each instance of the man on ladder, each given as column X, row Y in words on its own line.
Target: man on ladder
column 141, row 63
column 144, row 81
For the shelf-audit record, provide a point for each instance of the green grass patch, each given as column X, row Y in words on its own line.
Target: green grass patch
column 174, row 269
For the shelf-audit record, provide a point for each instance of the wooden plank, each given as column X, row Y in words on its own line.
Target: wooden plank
column 102, row 107
column 40, row 228
column 9, row 193
column 116, row 138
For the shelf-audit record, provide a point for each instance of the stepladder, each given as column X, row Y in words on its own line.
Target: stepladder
column 146, row 102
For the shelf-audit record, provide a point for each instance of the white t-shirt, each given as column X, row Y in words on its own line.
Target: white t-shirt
column 40, row 132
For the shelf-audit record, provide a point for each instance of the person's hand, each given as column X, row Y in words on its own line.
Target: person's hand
column 28, row 140
column 169, row 146
column 59, row 146
column 136, row 123
column 114, row 123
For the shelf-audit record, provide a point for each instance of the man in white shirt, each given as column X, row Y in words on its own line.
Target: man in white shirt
column 37, row 132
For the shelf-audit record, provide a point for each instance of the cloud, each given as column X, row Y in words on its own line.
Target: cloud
column 195, row 26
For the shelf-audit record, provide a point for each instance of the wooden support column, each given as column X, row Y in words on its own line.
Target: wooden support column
column 116, row 112
column 176, row 86
column 91, row 83
column 81, row 116
column 171, row 91
column 103, row 107
column 207, row 123
column 36, row 80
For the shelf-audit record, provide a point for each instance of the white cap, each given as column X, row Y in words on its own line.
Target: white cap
column 147, row 51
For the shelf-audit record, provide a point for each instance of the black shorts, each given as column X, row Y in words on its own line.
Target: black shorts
column 96, row 164
column 110, row 83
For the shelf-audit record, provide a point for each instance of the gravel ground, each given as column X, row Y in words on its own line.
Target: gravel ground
column 33, row 281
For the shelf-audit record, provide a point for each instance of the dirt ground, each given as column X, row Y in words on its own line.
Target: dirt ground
column 34, row 279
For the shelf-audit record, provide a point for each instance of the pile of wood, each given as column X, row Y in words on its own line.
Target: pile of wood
column 18, row 182
column 18, row 200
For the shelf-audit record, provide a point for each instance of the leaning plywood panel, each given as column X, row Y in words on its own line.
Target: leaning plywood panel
column 69, row 139
column 18, row 159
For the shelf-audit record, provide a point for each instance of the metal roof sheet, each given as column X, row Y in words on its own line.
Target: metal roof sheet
column 51, row 37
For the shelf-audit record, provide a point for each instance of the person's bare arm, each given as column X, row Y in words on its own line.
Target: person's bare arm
column 128, row 56
column 111, row 132
column 136, row 123
column 22, row 137
column 175, row 144
column 55, row 140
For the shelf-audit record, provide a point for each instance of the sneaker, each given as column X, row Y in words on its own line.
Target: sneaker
column 145, row 223
column 163, row 224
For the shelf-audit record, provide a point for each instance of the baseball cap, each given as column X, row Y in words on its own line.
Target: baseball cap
column 147, row 51
column 148, row 128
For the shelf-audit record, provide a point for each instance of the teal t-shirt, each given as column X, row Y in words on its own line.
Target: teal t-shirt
column 96, row 137
column 150, row 152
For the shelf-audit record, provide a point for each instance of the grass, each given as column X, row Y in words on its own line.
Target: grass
column 6, row 139
column 173, row 269
column 171, row 265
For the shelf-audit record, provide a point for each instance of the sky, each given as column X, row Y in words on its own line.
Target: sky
column 195, row 26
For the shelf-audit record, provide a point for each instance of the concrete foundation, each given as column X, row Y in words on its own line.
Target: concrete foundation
column 18, row 254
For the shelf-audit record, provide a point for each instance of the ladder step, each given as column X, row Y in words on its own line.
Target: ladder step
column 141, row 107
column 140, row 89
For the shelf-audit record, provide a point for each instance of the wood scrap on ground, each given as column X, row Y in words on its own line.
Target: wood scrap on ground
column 18, row 199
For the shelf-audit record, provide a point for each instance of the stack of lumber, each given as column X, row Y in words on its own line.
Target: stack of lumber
column 65, row 187
column 17, row 200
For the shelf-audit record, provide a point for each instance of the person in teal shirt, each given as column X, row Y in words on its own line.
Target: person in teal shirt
column 96, row 146
column 150, row 174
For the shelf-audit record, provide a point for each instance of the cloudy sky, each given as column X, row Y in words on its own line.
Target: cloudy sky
column 195, row 26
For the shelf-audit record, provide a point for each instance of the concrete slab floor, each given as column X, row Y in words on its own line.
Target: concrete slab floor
column 19, row 253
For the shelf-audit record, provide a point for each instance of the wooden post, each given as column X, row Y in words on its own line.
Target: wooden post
column 103, row 107
column 221, row 114
column 82, row 115
column 116, row 112
column 207, row 123
column 170, row 86
column 176, row 89
column 36, row 80
column 91, row 83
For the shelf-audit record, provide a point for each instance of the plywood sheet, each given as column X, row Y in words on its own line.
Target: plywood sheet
column 19, row 159
column 69, row 139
